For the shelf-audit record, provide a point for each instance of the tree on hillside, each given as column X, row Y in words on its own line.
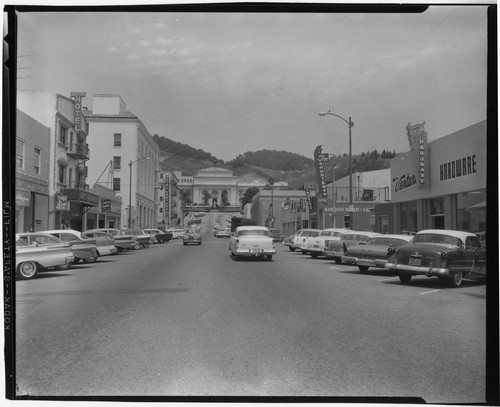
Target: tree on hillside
column 248, row 195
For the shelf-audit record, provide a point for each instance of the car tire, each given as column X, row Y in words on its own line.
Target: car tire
column 363, row 269
column 314, row 255
column 27, row 270
column 91, row 259
column 292, row 249
column 455, row 280
column 184, row 243
column 337, row 260
column 404, row 278
column 269, row 257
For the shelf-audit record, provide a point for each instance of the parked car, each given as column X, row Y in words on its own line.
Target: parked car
column 191, row 236
column 251, row 241
column 375, row 252
column 303, row 234
column 36, row 252
column 176, row 233
column 123, row 241
column 87, row 252
column 316, row 246
column 335, row 249
column 143, row 238
column 288, row 241
column 275, row 234
column 226, row 232
column 161, row 236
column 105, row 242
column 81, row 245
column 450, row 255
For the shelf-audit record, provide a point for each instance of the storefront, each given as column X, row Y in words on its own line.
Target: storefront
column 32, row 204
column 107, row 213
column 72, row 206
column 439, row 185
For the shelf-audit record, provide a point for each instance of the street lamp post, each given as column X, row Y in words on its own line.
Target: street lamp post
column 350, row 124
column 130, row 189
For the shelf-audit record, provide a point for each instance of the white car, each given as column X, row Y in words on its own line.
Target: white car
column 316, row 245
column 251, row 241
column 300, row 239
column 105, row 246
column 176, row 233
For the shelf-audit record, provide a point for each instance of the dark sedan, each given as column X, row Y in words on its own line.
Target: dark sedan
column 449, row 255
column 375, row 252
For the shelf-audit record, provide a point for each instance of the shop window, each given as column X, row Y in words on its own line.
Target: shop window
column 36, row 160
column 117, row 140
column 437, row 206
column 116, row 184
column 20, row 153
column 471, row 211
column 409, row 217
column 383, row 222
column 117, row 162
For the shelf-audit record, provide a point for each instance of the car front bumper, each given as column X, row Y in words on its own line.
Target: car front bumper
column 364, row 262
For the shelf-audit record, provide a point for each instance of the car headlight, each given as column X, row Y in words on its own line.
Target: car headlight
column 444, row 255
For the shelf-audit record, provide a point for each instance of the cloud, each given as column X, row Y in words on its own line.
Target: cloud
column 133, row 57
column 144, row 43
column 163, row 41
column 159, row 26
column 112, row 49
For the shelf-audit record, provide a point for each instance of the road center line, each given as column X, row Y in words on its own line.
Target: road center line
column 428, row 292
column 336, row 268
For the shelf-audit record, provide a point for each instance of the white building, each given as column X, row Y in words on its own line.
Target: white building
column 69, row 195
column 120, row 141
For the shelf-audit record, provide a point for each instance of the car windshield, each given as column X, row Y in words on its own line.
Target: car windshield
column 437, row 238
column 191, row 231
column 253, row 232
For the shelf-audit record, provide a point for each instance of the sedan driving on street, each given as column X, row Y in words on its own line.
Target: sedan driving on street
column 449, row 255
column 251, row 241
column 191, row 236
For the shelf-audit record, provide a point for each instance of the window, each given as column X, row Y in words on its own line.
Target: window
column 63, row 132
column 20, row 153
column 117, row 163
column 70, row 176
column 117, row 140
column 116, row 184
column 62, row 173
column 36, row 160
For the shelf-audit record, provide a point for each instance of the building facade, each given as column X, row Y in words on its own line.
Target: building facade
column 32, row 174
column 439, row 185
column 69, row 195
column 121, row 142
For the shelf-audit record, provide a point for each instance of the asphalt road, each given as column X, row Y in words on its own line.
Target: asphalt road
column 174, row 320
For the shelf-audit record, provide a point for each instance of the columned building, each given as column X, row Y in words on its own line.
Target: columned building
column 119, row 139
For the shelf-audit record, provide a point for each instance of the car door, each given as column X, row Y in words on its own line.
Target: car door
column 476, row 254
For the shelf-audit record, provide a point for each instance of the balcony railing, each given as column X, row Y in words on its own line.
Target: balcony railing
column 80, row 151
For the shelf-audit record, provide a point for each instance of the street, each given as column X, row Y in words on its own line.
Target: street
column 174, row 320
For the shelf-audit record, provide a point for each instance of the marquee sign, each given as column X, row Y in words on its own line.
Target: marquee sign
column 319, row 159
column 77, row 98
column 417, row 137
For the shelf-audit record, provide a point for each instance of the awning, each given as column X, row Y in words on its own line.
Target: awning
column 481, row 206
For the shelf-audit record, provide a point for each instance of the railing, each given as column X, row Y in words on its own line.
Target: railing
column 79, row 151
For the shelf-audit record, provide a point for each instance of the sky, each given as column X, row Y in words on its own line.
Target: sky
column 229, row 83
